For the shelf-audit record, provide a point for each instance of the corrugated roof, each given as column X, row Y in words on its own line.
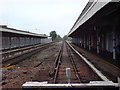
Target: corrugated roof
column 90, row 9
column 4, row 28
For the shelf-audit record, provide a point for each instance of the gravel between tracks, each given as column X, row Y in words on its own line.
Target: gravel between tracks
column 35, row 68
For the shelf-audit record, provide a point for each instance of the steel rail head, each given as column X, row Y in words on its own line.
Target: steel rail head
column 58, row 61
column 73, row 64
column 52, row 72
column 104, row 78
column 23, row 54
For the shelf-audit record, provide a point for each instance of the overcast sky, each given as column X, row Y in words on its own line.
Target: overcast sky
column 41, row 16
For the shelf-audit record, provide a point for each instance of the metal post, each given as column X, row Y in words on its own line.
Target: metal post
column 118, row 82
column 114, row 45
column 102, row 40
column 115, row 26
column 10, row 42
column 68, row 75
column 89, row 42
column 84, row 42
column 98, row 40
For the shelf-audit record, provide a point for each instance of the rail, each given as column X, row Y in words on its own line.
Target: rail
column 12, row 54
column 73, row 64
column 105, row 83
column 57, row 64
column 70, row 72
column 104, row 78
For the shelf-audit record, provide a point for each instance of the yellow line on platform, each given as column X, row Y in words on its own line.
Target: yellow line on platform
column 8, row 67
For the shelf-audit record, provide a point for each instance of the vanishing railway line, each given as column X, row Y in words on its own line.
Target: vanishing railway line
column 69, row 68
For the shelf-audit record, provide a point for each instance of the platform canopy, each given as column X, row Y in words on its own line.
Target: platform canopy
column 5, row 29
column 94, row 10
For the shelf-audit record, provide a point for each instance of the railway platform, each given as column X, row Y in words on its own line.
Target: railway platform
column 105, row 75
column 103, row 65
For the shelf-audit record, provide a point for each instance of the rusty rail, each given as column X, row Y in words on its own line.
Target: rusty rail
column 57, row 64
column 73, row 64
column 20, row 52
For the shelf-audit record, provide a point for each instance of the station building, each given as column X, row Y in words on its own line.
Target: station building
column 14, row 38
column 97, row 29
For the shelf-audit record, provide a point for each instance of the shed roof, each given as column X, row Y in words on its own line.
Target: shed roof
column 92, row 7
column 4, row 28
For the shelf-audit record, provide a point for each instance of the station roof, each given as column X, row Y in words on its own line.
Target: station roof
column 4, row 28
column 92, row 7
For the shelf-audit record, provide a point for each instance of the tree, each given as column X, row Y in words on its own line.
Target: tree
column 65, row 37
column 58, row 38
column 53, row 35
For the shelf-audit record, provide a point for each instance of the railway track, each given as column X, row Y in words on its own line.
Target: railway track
column 69, row 68
column 72, row 70
column 13, row 57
